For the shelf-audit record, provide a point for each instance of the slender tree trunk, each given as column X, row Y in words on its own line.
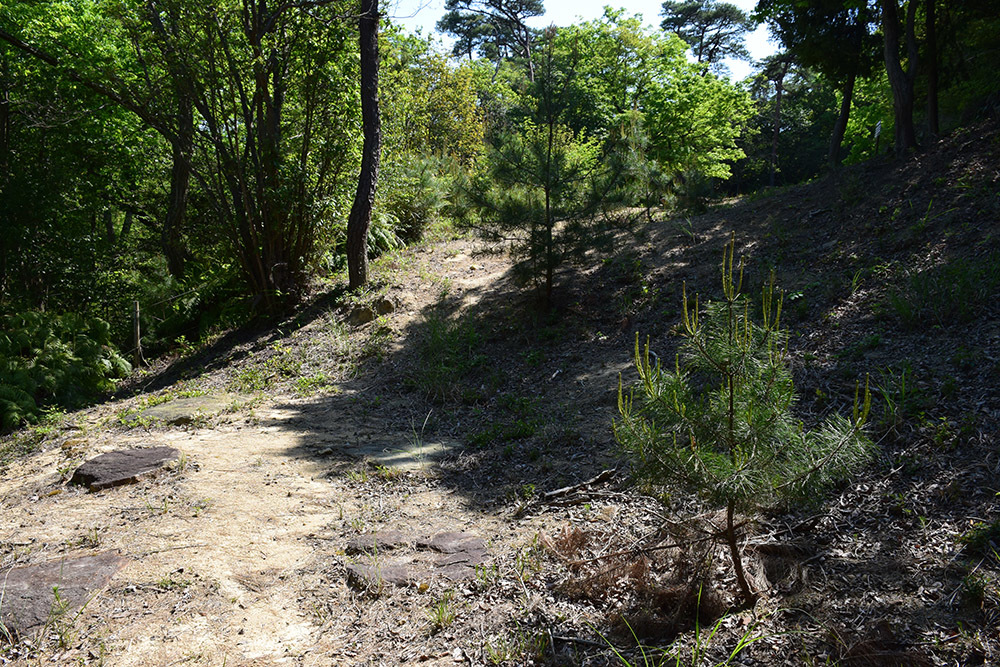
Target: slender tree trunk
column 932, row 69
column 181, row 148
column 126, row 227
column 840, row 127
column 734, row 551
column 361, row 211
column 526, row 43
column 5, row 86
column 779, row 87
column 900, row 81
column 109, row 226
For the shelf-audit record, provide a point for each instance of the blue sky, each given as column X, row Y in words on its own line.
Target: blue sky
column 423, row 14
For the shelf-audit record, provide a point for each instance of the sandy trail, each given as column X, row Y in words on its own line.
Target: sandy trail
column 217, row 546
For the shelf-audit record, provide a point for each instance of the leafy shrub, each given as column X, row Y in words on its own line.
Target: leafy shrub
column 382, row 235
column 415, row 195
column 48, row 359
column 721, row 423
column 176, row 315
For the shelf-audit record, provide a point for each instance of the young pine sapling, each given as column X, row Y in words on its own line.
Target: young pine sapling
column 721, row 424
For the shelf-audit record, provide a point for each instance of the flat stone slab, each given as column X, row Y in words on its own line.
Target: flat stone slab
column 376, row 576
column 378, row 542
column 124, row 466
column 453, row 556
column 450, row 543
column 181, row 411
column 28, row 598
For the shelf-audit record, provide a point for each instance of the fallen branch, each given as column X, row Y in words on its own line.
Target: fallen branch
column 603, row 476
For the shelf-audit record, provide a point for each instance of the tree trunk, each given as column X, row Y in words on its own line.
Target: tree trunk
column 4, row 111
column 901, row 82
column 181, row 148
column 779, row 87
column 5, row 87
column 840, row 127
column 932, row 69
column 526, row 45
column 749, row 597
column 126, row 227
column 361, row 211
column 109, row 226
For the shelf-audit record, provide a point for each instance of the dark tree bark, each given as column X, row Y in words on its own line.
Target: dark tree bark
column 5, row 87
column 181, row 140
column 932, row 69
column 126, row 226
column 107, row 217
column 361, row 211
column 4, row 111
column 181, row 148
column 780, row 73
column 900, row 81
column 840, row 127
column 749, row 597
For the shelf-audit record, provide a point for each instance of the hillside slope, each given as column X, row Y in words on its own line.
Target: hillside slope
column 457, row 409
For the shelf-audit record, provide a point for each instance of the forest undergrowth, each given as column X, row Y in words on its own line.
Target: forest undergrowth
column 889, row 273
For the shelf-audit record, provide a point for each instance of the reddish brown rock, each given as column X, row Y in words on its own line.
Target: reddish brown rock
column 35, row 595
column 378, row 542
column 453, row 556
column 376, row 576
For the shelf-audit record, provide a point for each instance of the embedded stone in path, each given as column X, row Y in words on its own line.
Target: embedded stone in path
column 377, row 575
column 377, row 542
column 123, row 466
column 453, row 556
column 38, row 594
column 450, row 543
column 181, row 411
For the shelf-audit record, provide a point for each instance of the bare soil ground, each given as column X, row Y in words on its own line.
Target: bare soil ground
column 238, row 555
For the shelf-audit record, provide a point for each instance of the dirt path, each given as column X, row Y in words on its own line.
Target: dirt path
column 240, row 555
column 236, row 555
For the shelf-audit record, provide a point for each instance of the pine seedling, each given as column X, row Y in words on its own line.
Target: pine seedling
column 721, row 423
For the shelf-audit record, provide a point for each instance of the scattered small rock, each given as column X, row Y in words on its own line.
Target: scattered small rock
column 360, row 315
column 384, row 306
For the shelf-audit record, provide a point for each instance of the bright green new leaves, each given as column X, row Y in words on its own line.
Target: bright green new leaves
column 691, row 118
column 429, row 106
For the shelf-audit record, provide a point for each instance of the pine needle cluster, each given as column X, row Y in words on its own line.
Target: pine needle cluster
column 721, row 422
